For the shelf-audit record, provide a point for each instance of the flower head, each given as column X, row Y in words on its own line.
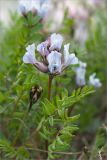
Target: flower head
column 80, row 73
column 36, row 6
column 53, row 62
column 94, row 81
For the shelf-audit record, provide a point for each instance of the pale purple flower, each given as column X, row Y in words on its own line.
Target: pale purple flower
column 94, row 81
column 53, row 62
column 80, row 74
column 69, row 58
column 42, row 48
column 56, row 41
column 45, row 7
column 29, row 56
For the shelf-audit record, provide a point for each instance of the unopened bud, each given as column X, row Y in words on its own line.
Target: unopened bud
column 35, row 94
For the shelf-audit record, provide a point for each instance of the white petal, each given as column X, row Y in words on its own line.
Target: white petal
column 91, row 79
column 80, row 73
column 56, row 41
column 82, row 64
column 72, row 59
column 41, row 6
column 66, row 52
column 80, row 76
column 69, row 58
column 54, row 60
column 43, row 11
column 94, row 81
column 31, row 48
column 24, row 5
column 29, row 56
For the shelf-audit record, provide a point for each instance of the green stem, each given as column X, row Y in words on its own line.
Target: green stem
column 49, row 98
column 50, row 86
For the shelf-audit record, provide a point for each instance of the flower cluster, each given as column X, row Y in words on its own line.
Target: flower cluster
column 53, row 62
column 94, row 81
column 40, row 7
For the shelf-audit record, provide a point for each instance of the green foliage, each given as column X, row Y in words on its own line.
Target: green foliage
column 56, row 116
column 6, row 147
column 8, row 152
column 77, row 96
column 99, row 143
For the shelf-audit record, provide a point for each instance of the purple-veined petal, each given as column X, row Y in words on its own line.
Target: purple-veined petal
column 42, row 48
column 54, row 60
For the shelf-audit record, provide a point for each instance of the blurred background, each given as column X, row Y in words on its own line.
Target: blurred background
column 5, row 7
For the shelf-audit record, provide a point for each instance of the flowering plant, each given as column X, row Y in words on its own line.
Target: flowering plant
column 46, row 107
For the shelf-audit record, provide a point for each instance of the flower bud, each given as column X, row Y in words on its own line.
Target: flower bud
column 35, row 94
